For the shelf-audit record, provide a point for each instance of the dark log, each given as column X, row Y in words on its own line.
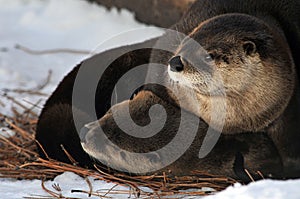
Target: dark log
column 162, row 13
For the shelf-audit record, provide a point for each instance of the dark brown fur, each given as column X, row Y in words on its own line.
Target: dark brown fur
column 231, row 155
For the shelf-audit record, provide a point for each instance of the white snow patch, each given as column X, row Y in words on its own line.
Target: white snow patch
column 13, row 189
column 6, row 132
column 264, row 189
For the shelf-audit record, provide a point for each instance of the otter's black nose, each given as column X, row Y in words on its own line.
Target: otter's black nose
column 176, row 64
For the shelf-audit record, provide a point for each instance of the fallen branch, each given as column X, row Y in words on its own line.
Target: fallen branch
column 51, row 51
column 33, row 91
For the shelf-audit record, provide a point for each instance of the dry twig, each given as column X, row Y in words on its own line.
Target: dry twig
column 51, row 51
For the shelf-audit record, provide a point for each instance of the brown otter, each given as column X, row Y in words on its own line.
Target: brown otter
column 224, row 159
column 245, row 61
column 266, row 107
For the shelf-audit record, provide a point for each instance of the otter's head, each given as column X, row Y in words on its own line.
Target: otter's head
column 240, row 61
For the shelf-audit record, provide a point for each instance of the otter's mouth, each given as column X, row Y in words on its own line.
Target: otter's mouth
column 175, row 77
column 205, row 88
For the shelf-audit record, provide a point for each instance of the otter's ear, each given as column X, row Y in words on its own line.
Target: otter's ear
column 249, row 47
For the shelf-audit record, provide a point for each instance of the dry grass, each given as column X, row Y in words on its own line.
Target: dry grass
column 19, row 160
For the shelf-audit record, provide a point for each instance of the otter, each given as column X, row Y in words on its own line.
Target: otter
column 248, row 60
column 224, row 159
column 245, row 61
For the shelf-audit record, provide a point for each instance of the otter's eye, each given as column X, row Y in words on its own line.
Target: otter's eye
column 209, row 57
column 136, row 92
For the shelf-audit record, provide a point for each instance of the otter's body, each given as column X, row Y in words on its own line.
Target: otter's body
column 251, row 45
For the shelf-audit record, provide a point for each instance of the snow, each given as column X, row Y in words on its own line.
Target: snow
column 52, row 24
column 67, row 182
column 264, row 189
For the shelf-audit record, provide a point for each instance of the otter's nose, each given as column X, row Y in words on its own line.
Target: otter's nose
column 176, row 64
